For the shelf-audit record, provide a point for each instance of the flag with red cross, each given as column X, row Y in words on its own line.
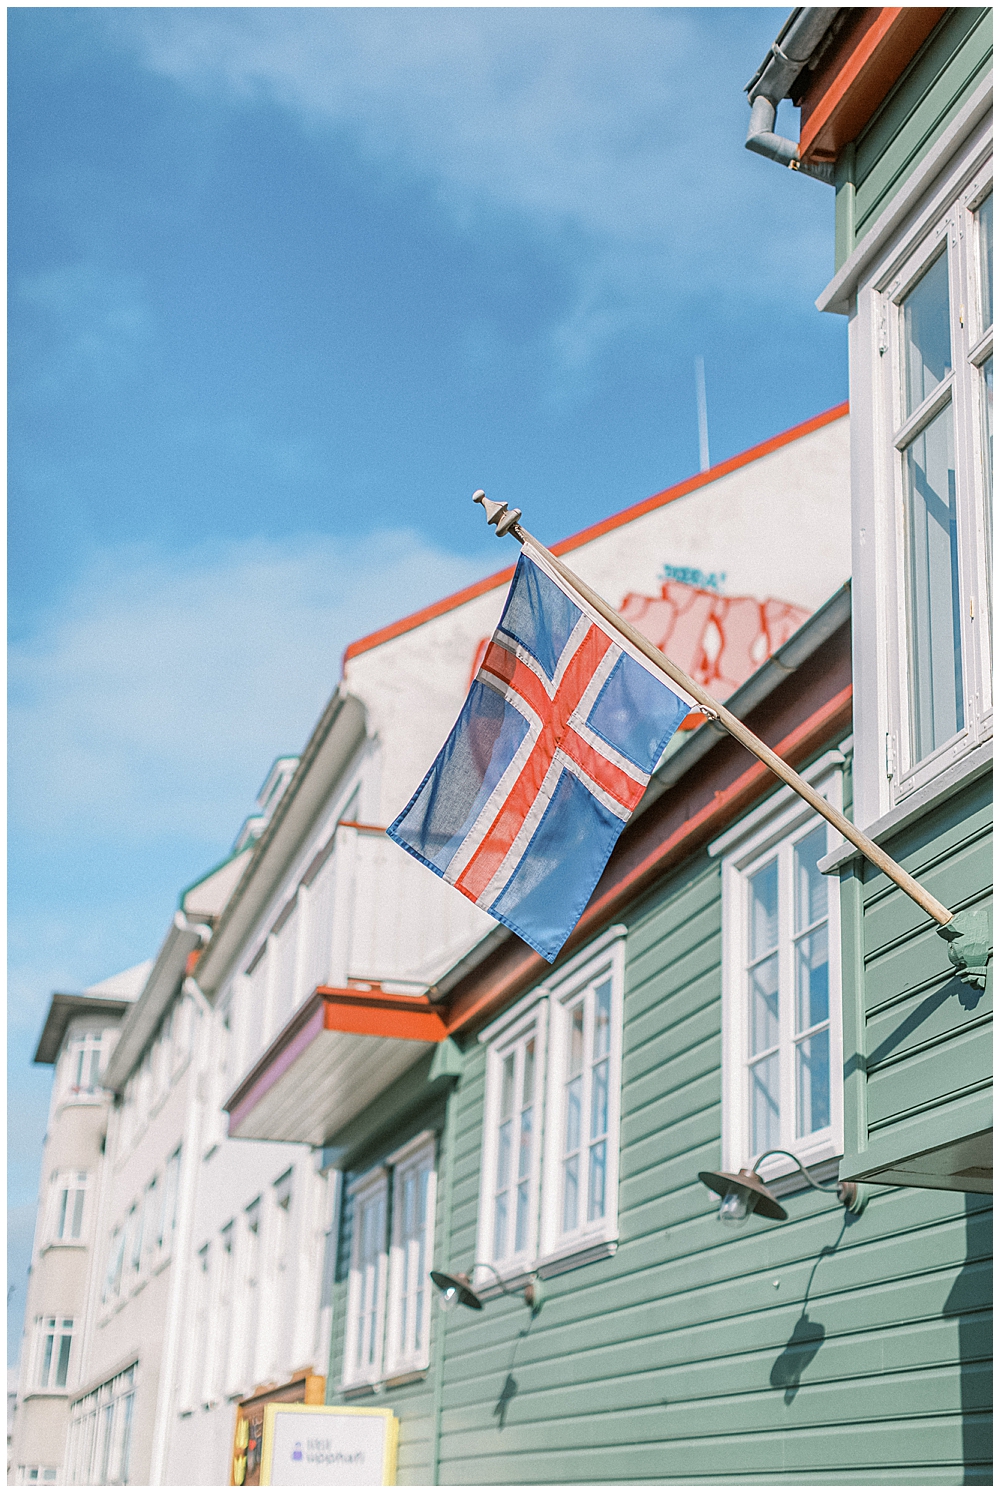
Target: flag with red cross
column 564, row 724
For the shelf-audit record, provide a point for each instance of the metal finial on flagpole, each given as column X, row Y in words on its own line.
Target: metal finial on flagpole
column 497, row 513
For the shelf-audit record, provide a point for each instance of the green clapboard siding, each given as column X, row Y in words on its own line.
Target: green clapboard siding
column 817, row 1351
column 945, row 72
column 918, row 1041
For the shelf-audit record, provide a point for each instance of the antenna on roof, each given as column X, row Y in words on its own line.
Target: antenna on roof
column 699, row 388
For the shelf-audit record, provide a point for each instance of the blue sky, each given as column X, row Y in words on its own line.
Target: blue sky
column 286, row 286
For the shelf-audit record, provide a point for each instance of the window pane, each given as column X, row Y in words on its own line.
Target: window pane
column 507, row 1089
column 47, row 1356
column 76, row 1228
column 602, row 1020
column 926, row 334
column 988, row 422
column 936, row 696
column 576, row 1040
column 810, row 885
column 812, row 1082
column 764, row 1104
column 571, row 1189
column 62, row 1367
column 812, row 980
column 63, row 1209
column 599, row 1100
column 764, row 911
column 528, row 1082
column 984, row 218
column 764, row 1005
column 574, row 1095
column 596, row 1181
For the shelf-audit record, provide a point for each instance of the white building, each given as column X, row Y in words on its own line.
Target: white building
column 78, row 1038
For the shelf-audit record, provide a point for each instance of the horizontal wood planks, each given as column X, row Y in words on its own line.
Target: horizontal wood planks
column 927, row 1035
column 680, row 1359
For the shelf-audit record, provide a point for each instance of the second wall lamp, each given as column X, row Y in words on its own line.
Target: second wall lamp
column 744, row 1192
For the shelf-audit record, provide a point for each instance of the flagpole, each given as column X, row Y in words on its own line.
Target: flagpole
column 506, row 522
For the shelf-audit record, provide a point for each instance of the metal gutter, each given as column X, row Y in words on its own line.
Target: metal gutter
column 329, row 751
column 794, row 49
column 159, row 990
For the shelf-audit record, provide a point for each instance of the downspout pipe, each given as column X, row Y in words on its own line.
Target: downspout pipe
column 773, row 81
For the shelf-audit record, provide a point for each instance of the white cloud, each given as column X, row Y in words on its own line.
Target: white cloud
column 154, row 702
column 616, row 132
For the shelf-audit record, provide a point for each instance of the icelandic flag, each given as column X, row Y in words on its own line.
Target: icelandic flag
column 564, row 723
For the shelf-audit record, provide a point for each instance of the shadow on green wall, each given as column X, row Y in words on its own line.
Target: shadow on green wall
column 807, row 1336
column 970, row 1300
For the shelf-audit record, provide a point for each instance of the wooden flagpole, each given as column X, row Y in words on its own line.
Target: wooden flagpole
column 506, row 522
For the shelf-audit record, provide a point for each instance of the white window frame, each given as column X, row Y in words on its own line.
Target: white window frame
column 84, row 1044
column 530, row 1021
column 565, row 995
column 777, row 825
column 60, row 1221
column 100, row 1431
column 886, row 770
column 58, row 1327
column 370, row 1189
column 544, row 1013
column 411, row 1257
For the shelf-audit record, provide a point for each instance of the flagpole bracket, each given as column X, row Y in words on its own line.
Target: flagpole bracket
column 503, row 518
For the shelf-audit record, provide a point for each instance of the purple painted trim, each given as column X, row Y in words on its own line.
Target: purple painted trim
column 290, row 1043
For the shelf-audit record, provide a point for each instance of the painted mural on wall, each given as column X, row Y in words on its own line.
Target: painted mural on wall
column 718, row 640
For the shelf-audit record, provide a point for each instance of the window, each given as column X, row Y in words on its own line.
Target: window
column 408, row 1327
column 283, row 1272
column 251, row 1293
column 168, row 1203
column 554, row 1064
column 116, row 1259
column 928, row 509
column 150, row 1223
column 222, row 1336
column 54, row 1346
column 37, row 1474
column 84, row 1068
column 513, row 1153
column 69, row 1196
column 366, row 1287
column 781, row 985
column 100, row 1432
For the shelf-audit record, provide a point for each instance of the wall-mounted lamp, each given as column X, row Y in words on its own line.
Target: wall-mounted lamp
column 744, row 1192
column 456, row 1290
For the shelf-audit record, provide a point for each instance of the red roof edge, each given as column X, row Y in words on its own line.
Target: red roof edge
column 616, row 521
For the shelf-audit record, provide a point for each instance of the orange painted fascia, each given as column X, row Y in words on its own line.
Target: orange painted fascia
column 411, row 1018
column 726, row 803
column 852, row 86
column 617, row 521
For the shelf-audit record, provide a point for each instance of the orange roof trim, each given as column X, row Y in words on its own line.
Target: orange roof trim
column 852, row 84
column 616, row 521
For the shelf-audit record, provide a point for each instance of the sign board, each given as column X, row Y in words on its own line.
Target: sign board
column 306, row 1388
column 328, row 1446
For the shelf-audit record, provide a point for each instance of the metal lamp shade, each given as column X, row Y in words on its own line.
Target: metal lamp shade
column 759, row 1199
column 461, row 1285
